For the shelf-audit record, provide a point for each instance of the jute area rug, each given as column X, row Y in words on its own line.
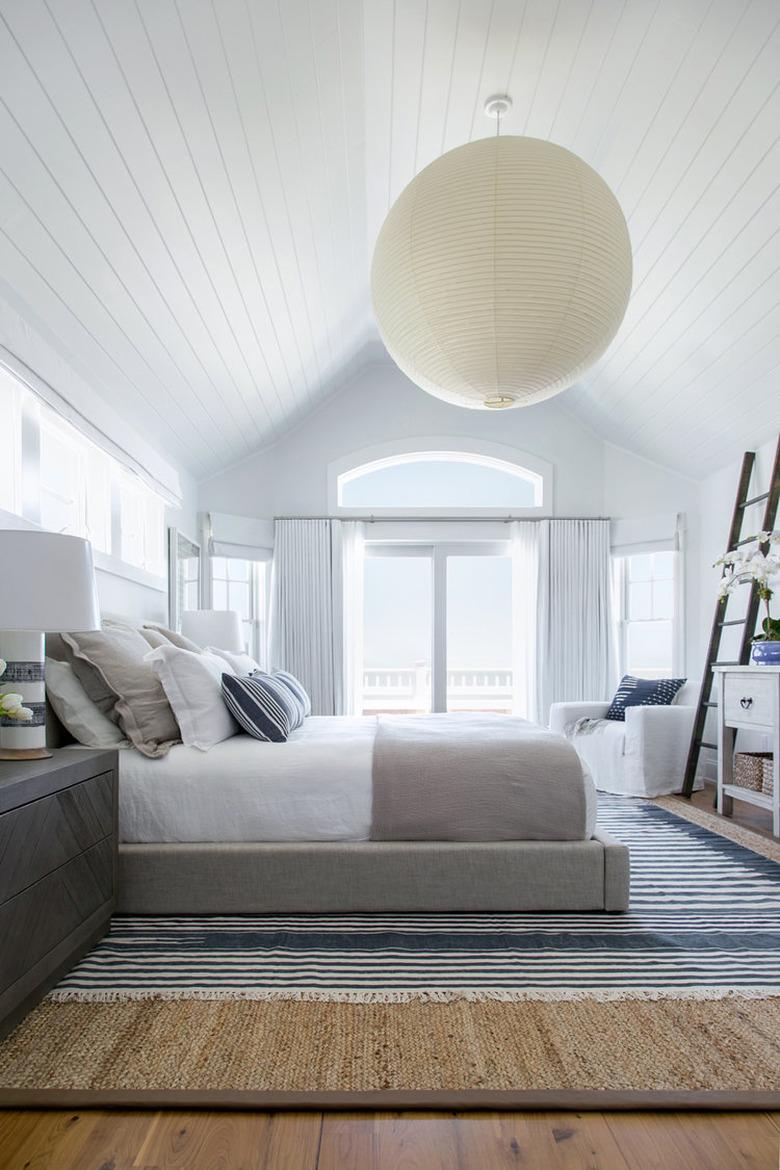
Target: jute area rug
column 676, row 1003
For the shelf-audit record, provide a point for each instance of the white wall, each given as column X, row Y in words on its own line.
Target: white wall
column 381, row 405
column 716, row 502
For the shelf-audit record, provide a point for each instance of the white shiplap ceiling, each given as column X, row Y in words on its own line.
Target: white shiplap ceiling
column 190, row 191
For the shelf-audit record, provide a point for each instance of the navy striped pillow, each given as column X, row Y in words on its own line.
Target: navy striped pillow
column 642, row 692
column 297, row 688
column 266, row 709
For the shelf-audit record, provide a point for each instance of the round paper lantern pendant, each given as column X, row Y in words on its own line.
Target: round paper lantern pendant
column 501, row 273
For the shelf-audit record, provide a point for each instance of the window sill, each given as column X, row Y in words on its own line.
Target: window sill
column 107, row 564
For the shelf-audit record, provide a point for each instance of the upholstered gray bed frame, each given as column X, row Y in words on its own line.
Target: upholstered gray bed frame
column 342, row 877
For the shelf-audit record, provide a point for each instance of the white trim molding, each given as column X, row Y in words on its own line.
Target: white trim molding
column 522, row 463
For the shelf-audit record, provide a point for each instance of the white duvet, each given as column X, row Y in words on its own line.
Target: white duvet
column 315, row 787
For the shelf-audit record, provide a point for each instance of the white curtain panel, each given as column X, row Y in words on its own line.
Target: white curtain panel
column 302, row 633
column 574, row 627
column 349, row 608
column 525, row 594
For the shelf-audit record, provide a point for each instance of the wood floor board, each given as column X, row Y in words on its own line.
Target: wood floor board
column 696, row 1141
column 54, row 1142
column 748, row 816
column 202, row 1140
column 555, row 1141
column 179, row 1141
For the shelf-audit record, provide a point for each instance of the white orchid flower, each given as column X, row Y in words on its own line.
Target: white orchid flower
column 24, row 714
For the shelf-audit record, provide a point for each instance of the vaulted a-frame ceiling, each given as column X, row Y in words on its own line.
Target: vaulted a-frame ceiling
column 190, row 191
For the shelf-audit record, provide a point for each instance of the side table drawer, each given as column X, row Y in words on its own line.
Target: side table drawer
column 36, row 920
column 38, row 837
column 748, row 700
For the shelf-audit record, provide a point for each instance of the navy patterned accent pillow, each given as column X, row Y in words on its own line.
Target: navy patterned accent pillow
column 297, row 688
column 265, row 708
column 642, row 692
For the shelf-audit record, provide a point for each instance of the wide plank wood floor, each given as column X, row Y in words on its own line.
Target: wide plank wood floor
column 759, row 820
column 145, row 1140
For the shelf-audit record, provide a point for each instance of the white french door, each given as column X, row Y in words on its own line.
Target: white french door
column 437, row 627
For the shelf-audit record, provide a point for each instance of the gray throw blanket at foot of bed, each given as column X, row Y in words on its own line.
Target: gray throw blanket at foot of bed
column 477, row 778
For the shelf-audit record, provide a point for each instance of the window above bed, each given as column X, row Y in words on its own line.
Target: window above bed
column 456, row 477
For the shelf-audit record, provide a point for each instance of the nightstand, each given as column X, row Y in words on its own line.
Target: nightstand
column 58, row 857
column 748, row 700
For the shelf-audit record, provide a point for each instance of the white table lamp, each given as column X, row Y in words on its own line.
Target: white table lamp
column 47, row 583
column 220, row 628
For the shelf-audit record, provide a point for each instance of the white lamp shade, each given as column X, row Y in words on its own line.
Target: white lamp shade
column 220, row 628
column 47, row 582
column 501, row 273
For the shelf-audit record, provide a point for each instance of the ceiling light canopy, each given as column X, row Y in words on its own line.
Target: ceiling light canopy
column 502, row 272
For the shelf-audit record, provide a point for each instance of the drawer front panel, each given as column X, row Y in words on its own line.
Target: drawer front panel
column 750, row 700
column 40, row 917
column 38, row 837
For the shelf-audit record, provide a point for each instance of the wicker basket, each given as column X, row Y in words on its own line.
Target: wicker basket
column 754, row 770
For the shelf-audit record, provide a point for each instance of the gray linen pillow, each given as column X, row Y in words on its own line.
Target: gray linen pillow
column 175, row 638
column 110, row 664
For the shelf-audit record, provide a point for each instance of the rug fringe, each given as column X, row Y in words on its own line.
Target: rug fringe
column 572, row 995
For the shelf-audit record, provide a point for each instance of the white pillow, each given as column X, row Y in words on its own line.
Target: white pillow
column 241, row 663
column 76, row 711
column 193, row 687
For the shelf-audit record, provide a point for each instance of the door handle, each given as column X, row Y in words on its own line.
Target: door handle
column 746, row 703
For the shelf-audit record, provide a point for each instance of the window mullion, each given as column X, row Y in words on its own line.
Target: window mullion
column 439, row 656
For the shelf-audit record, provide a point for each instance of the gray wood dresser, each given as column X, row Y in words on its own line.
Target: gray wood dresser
column 58, row 862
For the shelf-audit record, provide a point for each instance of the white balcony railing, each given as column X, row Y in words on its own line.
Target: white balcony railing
column 409, row 689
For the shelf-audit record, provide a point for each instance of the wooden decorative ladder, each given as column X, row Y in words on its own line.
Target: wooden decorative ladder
column 720, row 622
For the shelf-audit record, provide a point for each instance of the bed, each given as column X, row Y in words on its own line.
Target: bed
column 305, row 837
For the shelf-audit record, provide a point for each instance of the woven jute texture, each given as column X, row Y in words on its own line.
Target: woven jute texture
column 730, row 1044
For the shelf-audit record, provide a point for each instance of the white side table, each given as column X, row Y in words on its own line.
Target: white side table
column 748, row 699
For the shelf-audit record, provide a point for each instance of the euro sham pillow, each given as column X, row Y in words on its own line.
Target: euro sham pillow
column 174, row 637
column 297, row 688
column 193, row 687
column 113, row 660
column 263, row 705
column 239, row 663
column 76, row 711
column 642, row 692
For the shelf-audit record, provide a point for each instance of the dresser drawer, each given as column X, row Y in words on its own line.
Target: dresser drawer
column 39, row 918
column 749, row 700
column 38, row 837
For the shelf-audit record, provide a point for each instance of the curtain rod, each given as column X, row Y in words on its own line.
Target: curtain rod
column 443, row 519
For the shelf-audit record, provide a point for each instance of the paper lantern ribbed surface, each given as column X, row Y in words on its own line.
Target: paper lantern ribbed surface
column 501, row 273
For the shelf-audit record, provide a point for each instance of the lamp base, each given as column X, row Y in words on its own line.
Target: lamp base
column 24, row 675
column 24, row 754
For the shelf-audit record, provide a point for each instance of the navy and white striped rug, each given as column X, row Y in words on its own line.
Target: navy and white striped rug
column 704, row 923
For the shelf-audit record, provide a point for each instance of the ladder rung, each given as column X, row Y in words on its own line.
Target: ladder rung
column 704, row 743
column 735, row 622
column 755, row 500
column 746, row 540
column 708, row 703
column 725, row 664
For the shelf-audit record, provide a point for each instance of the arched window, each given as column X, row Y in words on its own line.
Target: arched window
column 440, row 480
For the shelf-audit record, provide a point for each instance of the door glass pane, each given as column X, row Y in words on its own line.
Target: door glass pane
column 479, row 634
column 397, row 635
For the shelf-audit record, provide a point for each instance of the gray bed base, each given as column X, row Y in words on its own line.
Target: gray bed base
column 345, row 877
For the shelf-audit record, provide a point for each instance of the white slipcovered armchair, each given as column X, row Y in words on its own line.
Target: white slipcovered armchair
column 645, row 756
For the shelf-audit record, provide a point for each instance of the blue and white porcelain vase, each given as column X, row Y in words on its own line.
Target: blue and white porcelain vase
column 766, row 653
